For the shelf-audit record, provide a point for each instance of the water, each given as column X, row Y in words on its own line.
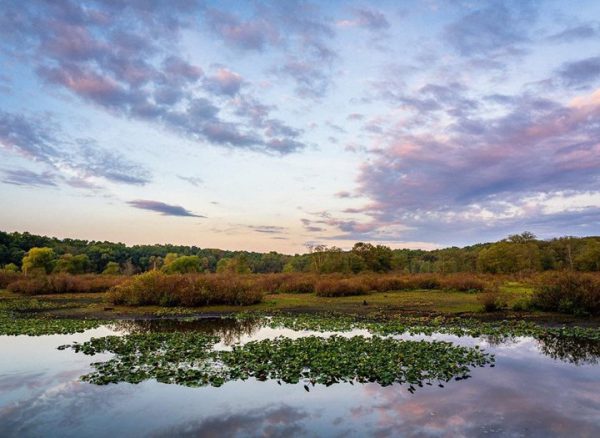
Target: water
column 537, row 388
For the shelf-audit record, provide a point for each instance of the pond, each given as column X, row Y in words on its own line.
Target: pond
column 452, row 385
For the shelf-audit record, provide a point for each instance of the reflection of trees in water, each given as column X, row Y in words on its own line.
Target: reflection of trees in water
column 570, row 349
column 496, row 340
column 229, row 330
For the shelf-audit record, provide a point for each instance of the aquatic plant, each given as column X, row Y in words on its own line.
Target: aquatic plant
column 17, row 318
column 45, row 326
column 188, row 359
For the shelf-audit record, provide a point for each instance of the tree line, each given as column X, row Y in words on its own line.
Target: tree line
column 517, row 253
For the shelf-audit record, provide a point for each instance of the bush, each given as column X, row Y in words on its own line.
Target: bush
column 7, row 277
column 521, row 304
column 335, row 287
column 63, row 283
column 492, row 300
column 427, row 282
column 297, row 284
column 463, row 283
column 388, row 283
column 568, row 292
column 189, row 290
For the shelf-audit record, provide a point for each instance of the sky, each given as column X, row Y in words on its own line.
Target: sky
column 273, row 125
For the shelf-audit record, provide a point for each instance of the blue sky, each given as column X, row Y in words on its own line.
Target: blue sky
column 271, row 125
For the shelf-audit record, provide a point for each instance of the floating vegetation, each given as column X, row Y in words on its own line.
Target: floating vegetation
column 189, row 359
column 39, row 326
column 17, row 318
column 339, row 359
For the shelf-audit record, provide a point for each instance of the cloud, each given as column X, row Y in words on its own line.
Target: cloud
column 576, row 33
column 245, row 35
column 370, row 19
column 162, row 208
column 30, row 137
column 131, row 68
column 224, row 81
column 267, row 229
column 295, row 29
column 193, row 180
column 111, row 165
column 494, row 28
column 580, row 73
column 480, row 172
column 76, row 161
column 23, row 177
column 312, row 81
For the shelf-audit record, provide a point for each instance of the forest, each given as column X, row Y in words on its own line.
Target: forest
column 519, row 253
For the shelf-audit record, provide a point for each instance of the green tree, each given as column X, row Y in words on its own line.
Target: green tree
column 184, row 265
column 39, row 260
column 11, row 267
column 589, row 258
column 156, row 262
column 509, row 257
column 524, row 237
column 376, row 258
column 112, row 268
column 72, row 264
column 234, row 265
column 170, row 258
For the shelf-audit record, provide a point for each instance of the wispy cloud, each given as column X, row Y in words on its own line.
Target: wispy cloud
column 162, row 208
column 39, row 140
column 580, row 73
column 267, row 229
column 196, row 181
column 23, row 177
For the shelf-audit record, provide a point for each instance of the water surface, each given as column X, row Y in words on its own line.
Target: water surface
column 539, row 387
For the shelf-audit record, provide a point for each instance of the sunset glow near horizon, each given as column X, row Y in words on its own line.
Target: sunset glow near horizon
column 273, row 125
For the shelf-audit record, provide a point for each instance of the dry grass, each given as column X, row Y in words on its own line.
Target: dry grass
column 64, row 283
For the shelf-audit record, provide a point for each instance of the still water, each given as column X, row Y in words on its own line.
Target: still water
column 537, row 388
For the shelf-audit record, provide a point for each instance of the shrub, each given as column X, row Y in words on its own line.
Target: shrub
column 492, row 300
column 463, row 283
column 7, row 277
column 63, row 283
column 334, row 287
column 297, row 284
column 427, row 282
column 187, row 290
column 521, row 304
column 30, row 286
column 568, row 292
column 388, row 283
